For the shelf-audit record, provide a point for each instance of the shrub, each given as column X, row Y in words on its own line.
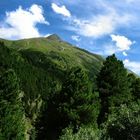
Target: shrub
column 84, row 133
column 123, row 123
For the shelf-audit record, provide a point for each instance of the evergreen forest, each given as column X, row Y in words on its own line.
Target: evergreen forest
column 52, row 90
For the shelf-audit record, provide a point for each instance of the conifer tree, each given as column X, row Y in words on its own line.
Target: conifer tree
column 75, row 104
column 113, row 86
column 77, row 101
column 12, row 120
column 135, row 86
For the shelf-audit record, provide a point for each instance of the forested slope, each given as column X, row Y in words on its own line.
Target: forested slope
column 52, row 90
column 41, row 65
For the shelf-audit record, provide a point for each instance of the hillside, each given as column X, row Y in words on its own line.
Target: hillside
column 50, row 89
column 59, row 52
column 41, row 65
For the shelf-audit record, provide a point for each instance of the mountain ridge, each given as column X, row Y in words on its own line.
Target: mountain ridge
column 51, row 42
column 53, row 46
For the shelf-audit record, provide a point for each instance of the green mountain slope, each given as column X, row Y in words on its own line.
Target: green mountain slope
column 56, row 86
column 61, row 53
column 41, row 64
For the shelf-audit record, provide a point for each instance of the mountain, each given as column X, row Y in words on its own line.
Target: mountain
column 59, row 52
column 47, row 84
column 54, row 37
column 41, row 65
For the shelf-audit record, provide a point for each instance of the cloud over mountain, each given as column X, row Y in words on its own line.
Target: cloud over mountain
column 61, row 10
column 21, row 23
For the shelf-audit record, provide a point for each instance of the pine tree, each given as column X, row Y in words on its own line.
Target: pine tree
column 113, row 86
column 75, row 104
column 77, row 100
column 135, row 86
column 12, row 120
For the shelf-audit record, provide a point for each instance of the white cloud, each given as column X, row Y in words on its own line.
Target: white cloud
column 102, row 17
column 125, row 54
column 22, row 23
column 75, row 38
column 47, row 35
column 98, row 25
column 61, row 10
column 132, row 65
column 122, row 42
column 104, row 21
column 109, row 49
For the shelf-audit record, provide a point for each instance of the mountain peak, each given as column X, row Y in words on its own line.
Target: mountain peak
column 54, row 37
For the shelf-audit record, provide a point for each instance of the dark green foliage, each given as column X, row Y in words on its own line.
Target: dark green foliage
column 84, row 133
column 74, row 105
column 113, row 86
column 12, row 123
column 123, row 123
column 42, row 122
column 135, row 86
column 58, row 82
column 76, row 100
column 12, row 119
column 41, row 61
column 9, row 86
column 136, row 89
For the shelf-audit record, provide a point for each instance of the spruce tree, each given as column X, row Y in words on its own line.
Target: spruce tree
column 12, row 120
column 113, row 86
column 135, row 86
column 77, row 101
column 74, row 105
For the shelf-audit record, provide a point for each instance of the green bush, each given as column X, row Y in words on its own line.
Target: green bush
column 84, row 133
column 123, row 123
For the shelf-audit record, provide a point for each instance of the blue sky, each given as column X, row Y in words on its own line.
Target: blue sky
column 99, row 26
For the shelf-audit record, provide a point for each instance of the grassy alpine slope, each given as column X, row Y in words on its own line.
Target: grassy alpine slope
column 59, row 52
